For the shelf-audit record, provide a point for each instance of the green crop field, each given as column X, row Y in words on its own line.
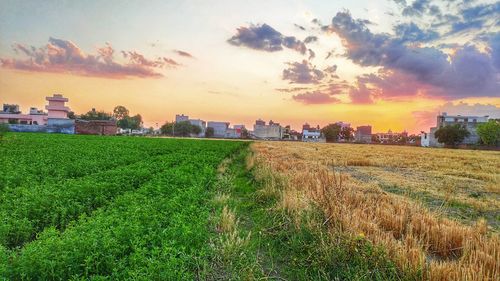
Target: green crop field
column 133, row 208
column 87, row 207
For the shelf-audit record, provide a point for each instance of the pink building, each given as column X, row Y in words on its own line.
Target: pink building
column 56, row 109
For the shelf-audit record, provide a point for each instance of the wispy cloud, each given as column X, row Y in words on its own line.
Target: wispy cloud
column 315, row 97
column 183, row 54
column 64, row 56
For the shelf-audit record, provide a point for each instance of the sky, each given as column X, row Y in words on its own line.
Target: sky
column 392, row 64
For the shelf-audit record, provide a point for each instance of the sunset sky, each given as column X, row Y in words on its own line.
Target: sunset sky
column 393, row 64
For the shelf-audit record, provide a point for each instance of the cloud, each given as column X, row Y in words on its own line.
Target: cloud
column 467, row 73
column 64, row 56
column 312, row 54
column 315, row 97
column 183, row 54
column 410, row 32
column 310, row 39
column 265, row 38
column 417, row 8
column 302, row 73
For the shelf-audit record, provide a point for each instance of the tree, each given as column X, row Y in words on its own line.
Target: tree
column 71, row 115
column 331, row 132
column 96, row 115
column 451, row 134
column 180, row 129
column 244, row 133
column 183, row 128
column 489, row 132
column 167, row 129
column 120, row 112
column 347, row 133
column 4, row 128
column 209, row 132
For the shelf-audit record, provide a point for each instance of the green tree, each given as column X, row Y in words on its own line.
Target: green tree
column 331, row 132
column 183, row 128
column 4, row 128
column 451, row 134
column 167, row 129
column 489, row 132
column 347, row 133
column 71, row 115
column 96, row 115
column 209, row 132
column 120, row 112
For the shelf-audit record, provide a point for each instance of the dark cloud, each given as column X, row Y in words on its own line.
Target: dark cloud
column 494, row 43
column 461, row 26
column 302, row 73
column 417, row 8
column 410, row 32
column 299, row 26
column 183, row 54
column 310, row 39
column 63, row 56
column 315, row 97
column 265, row 38
column 291, row 90
column 312, row 54
column 467, row 73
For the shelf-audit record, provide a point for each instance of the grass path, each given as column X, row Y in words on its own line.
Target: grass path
column 257, row 240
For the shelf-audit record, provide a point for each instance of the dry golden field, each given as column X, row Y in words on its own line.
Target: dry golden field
column 435, row 211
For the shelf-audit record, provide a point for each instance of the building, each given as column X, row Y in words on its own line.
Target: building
column 363, row 134
column 468, row 122
column 96, row 127
column 273, row 131
column 390, row 137
column 200, row 123
column 181, row 118
column 424, row 139
column 219, row 128
column 311, row 134
column 54, row 121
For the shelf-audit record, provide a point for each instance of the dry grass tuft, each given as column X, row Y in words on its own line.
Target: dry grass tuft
column 414, row 237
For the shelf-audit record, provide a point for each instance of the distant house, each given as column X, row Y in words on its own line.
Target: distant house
column 200, row 123
column 363, row 134
column 424, row 139
column 390, row 137
column 311, row 134
column 219, row 128
column 181, row 118
column 468, row 122
column 54, row 121
column 273, row 131
column 95, row 127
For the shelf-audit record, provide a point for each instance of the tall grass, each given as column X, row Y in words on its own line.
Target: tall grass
column 416, row 239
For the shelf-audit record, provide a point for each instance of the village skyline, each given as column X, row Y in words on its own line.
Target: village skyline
column 389, row 64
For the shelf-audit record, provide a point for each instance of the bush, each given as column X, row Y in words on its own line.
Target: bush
column 4, row 128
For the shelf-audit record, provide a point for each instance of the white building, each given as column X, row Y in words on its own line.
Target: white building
column 219, row 128
column 311, row 135
column 181, row 118
column 200, row 123
column 468, row 122
column 424, row 139
column 273, row 131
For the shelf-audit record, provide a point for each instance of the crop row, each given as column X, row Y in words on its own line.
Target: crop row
column 29, row 159
column 155, row 232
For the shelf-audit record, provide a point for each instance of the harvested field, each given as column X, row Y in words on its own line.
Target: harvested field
column 435, row 211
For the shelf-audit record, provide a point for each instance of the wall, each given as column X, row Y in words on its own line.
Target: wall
column 67, row 127
column 96, row 127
